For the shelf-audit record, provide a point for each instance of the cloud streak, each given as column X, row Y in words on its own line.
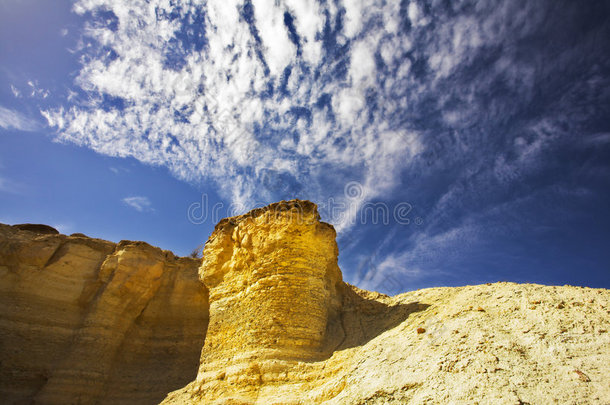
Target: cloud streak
column 458, row 106
column 267, row 88
column 11, row 119
column 139, row 203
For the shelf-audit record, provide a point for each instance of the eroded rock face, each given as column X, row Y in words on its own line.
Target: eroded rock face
column 284, row 329
column 275, row 296
column 88, row 321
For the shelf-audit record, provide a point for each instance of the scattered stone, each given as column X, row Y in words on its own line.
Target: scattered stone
column 582, row 376
column 421, row 330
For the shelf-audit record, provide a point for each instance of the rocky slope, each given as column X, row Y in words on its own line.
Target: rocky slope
column 502, row 343
column 88, row 321
column 284, row 329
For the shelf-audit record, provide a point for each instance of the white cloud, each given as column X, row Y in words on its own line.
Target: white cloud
column 11, row 119
column 279, row 51
column 219, row 89
column 15, row 91
column 354, row 16
column 362, row 66
column 415, row 15
column 118, row 169
column 353, row 113
column 139, row 203
column 309, row 23
column 64, row 228
column 37, row 91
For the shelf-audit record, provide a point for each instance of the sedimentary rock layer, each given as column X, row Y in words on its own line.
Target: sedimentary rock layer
column 275, row 296
column 284, row 329
column 502, row 343
column 89, row 321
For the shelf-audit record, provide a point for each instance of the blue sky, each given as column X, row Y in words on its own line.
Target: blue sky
column 449, row 142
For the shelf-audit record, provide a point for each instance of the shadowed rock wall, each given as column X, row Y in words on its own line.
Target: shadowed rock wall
column 88, row 321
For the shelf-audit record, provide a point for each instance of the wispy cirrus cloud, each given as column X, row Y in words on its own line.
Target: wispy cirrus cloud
column 460, row 104
column 11, row 119
column 36, row 91
column 237, row 98
column 16, row 92
column 118, row 170
column 139, row 203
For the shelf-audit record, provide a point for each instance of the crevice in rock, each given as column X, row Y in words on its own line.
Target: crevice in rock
column 59, row 252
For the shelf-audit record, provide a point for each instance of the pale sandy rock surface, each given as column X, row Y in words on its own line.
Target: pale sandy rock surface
column 501, row 343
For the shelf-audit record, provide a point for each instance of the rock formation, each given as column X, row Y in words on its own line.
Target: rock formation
column 88, row 321
column 284, row 329
column 275, row 297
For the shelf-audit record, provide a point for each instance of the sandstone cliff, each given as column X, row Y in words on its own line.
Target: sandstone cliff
column 88, row 321
column 285, row 329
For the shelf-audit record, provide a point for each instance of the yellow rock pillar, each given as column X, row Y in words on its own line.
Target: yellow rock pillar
column 274, row 289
